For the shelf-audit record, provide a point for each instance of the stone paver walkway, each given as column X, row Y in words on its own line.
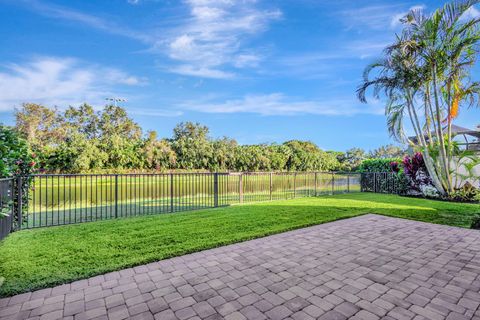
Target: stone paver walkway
column 369, row 267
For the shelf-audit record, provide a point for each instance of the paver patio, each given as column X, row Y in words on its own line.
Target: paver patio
column 368, row 267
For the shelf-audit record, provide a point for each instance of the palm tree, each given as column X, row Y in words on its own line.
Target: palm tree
column 425, row 74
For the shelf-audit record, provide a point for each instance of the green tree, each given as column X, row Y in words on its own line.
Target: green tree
column 192, row 145
column 223, row 154
column 78, row 154
column 84, row 120
column 278, row 155
column 353, row 158
column 388, row 152
column 157, row 154
column 43, row 129
column 252, row 158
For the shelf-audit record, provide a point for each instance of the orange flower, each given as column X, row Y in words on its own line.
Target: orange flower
column 454, row 109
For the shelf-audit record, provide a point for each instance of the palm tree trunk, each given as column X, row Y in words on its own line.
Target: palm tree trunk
column 428, row 117
column 443, row 153
column 426, row 154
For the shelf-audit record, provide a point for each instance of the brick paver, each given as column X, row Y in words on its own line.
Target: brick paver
column 369, row 267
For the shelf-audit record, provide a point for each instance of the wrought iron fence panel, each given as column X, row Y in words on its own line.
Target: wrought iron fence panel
column 380, row 182
column 58, row 199
column 6, row 207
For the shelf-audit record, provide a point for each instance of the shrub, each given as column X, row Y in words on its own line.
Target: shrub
column 16, row 159
column 467, row 193
column 15, row 155
column 378, row 165
column 475, row 223
column 429, row 191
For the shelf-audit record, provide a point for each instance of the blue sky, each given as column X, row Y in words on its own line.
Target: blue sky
column 257, row 71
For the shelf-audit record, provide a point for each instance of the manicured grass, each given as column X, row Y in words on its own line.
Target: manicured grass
column 33, row 259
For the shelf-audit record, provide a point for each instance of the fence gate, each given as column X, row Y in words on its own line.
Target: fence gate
column 6, row 207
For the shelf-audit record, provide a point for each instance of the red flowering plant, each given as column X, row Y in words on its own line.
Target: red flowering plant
column 416, row 172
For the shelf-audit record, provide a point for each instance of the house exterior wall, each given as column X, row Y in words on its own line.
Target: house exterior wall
column 458, row 181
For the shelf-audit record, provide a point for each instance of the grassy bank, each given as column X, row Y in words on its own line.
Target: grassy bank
column 33, row 259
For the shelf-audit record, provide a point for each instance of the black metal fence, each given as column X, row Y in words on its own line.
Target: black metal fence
column 65, row 199
column 380, row 182
column 6, row 207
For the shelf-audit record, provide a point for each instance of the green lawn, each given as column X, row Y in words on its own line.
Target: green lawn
column 33, row 259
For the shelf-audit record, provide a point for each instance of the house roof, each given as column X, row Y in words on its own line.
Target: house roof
column 456, row 131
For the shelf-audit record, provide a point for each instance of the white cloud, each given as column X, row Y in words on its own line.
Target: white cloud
column 471, row 13
column 69, row 15
column 203, row 72
column 58, row 81
column 213, row 37
column 280, row 104
column 209, row 40
column 395, row 22
column 155, row 112
column 376, row 17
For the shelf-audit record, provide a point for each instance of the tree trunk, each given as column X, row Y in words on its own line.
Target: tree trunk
column 426, row 154
column 443, row 153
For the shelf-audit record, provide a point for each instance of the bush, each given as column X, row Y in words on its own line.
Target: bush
column 14, row 152
column 467, row 193
column 378, row 165
column 429, row 191
column 475, row 223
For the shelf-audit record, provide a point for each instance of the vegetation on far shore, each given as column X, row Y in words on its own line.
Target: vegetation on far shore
column 82, row 140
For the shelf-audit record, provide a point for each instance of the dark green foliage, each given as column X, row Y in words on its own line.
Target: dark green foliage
column 378, row 165
column 307, row 156
column 14, row 153
column 475, row 223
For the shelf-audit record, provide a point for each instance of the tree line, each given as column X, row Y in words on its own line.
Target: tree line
column 81, row 139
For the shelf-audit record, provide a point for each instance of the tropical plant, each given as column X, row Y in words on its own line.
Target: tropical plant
column 466, row 163
column 425, row 76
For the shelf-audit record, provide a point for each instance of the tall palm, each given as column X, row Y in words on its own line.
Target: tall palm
column 399, row 77
column 439, row 50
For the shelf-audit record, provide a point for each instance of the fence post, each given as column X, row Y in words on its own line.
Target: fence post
column 348, row 183
column 116, row 196
column 375, row 182
column 240, row 188
column 333, row 183
column 271, row 186
column 307, row 184
column 171, row 192
column 215, row 189
column 315, row 181
column 295, row 185
column 19, row 202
